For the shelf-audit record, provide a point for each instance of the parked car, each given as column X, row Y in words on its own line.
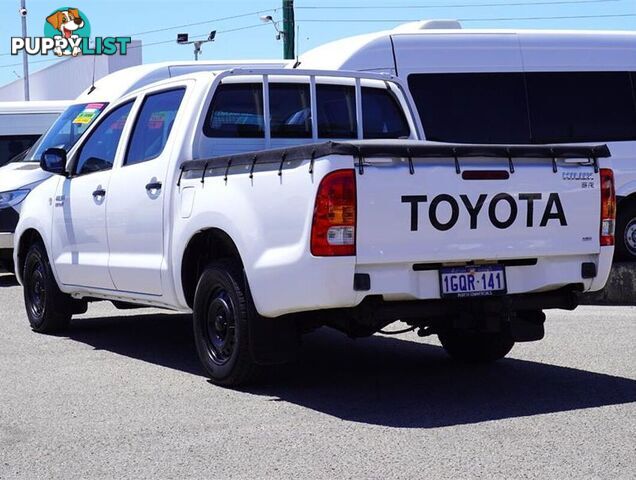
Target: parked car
column 512, row 87
column 18, row 179
column 270, row 203
column 21, row 124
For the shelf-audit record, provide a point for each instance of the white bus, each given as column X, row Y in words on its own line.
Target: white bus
column 512, row 86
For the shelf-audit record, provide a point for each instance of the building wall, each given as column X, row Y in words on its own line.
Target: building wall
column 66, row 79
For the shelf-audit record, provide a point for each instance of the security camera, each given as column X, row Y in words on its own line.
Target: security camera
column 23, row 12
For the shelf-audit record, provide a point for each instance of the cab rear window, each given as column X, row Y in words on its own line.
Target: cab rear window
column 237, row 111
column 383, row 116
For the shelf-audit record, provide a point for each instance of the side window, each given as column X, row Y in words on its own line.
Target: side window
column 472, row 107
column 581, row 106
column 98, row 153
column 236, row 112
column 13, row 145
column 383, row 115
column 290, row 110
column 336, row 111
column 153, row 126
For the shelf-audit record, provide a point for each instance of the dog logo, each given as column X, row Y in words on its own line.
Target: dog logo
column 67, row 32
column 70, row 24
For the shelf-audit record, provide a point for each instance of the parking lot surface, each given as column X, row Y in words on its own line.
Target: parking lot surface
column 121, row 395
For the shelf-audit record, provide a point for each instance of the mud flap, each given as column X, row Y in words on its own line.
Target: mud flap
column 527, row 326
column 273, row 341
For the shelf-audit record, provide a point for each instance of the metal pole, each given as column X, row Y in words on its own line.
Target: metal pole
column 289, row 30
column 25, row 57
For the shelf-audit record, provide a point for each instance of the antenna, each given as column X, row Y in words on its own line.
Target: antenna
column 93, row 88
column 297, row 62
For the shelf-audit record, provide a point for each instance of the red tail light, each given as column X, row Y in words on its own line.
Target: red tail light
column 608, row 207
column 333, row 232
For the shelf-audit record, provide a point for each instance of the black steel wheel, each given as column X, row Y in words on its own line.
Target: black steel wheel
column 220, row 326
column 221, row 315
column 48, row 309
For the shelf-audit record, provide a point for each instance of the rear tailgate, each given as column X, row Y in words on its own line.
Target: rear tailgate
column 481, row 205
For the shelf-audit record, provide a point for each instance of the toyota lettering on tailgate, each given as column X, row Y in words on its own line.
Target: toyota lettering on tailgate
column 553, row 210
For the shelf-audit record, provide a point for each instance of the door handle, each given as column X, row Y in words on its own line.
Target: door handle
column 153, row 186
column 100, row 192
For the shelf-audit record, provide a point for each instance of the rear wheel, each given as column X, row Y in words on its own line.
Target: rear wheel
column 626, row 233
column 221, row 315
column 476, row 347
column 48, row 309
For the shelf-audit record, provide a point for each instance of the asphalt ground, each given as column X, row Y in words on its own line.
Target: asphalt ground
column 121, row 395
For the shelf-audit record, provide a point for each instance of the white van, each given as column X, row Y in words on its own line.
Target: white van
column 17, row 179
column 512, row 87
column 22, row 123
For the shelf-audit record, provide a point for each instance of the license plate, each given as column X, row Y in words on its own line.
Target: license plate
column 475, row 281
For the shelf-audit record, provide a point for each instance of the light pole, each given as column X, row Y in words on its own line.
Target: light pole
column 183, row 39
column 25, row 57
column 288, row 32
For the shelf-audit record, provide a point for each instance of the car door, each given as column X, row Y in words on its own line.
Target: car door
column 136, row 202
column 80, row 243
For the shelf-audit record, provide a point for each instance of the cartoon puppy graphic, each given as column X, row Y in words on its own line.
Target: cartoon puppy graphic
column 66, row 22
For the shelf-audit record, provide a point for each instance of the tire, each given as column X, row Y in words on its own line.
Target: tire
column 221, row 316
column 48, row 309
column 476, row 347
column 626, row 233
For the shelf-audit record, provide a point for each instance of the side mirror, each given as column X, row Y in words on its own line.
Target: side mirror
column 54, row 161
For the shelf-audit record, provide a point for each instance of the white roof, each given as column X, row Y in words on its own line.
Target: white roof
column 343, row 53
column 38, row 106
column 119, row 83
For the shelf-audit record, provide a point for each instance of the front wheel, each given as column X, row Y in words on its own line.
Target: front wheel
column 626, row 233
column 221, row 314
column 476, row 347
column 48, row 309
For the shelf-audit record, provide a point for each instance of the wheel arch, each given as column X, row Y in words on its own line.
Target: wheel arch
column 27, row 238
column 205, row 246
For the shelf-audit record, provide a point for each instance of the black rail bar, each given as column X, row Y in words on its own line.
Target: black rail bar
column 397, row 149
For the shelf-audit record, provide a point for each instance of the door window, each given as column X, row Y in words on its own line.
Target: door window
column 98, row 153
column 153, row 126
column 472, row 107
column 581, row 106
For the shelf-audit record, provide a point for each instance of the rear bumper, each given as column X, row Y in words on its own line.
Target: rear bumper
column 328, row 284
column 402, row 282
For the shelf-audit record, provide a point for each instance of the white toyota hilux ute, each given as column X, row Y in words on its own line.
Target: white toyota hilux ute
column 273, row 202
